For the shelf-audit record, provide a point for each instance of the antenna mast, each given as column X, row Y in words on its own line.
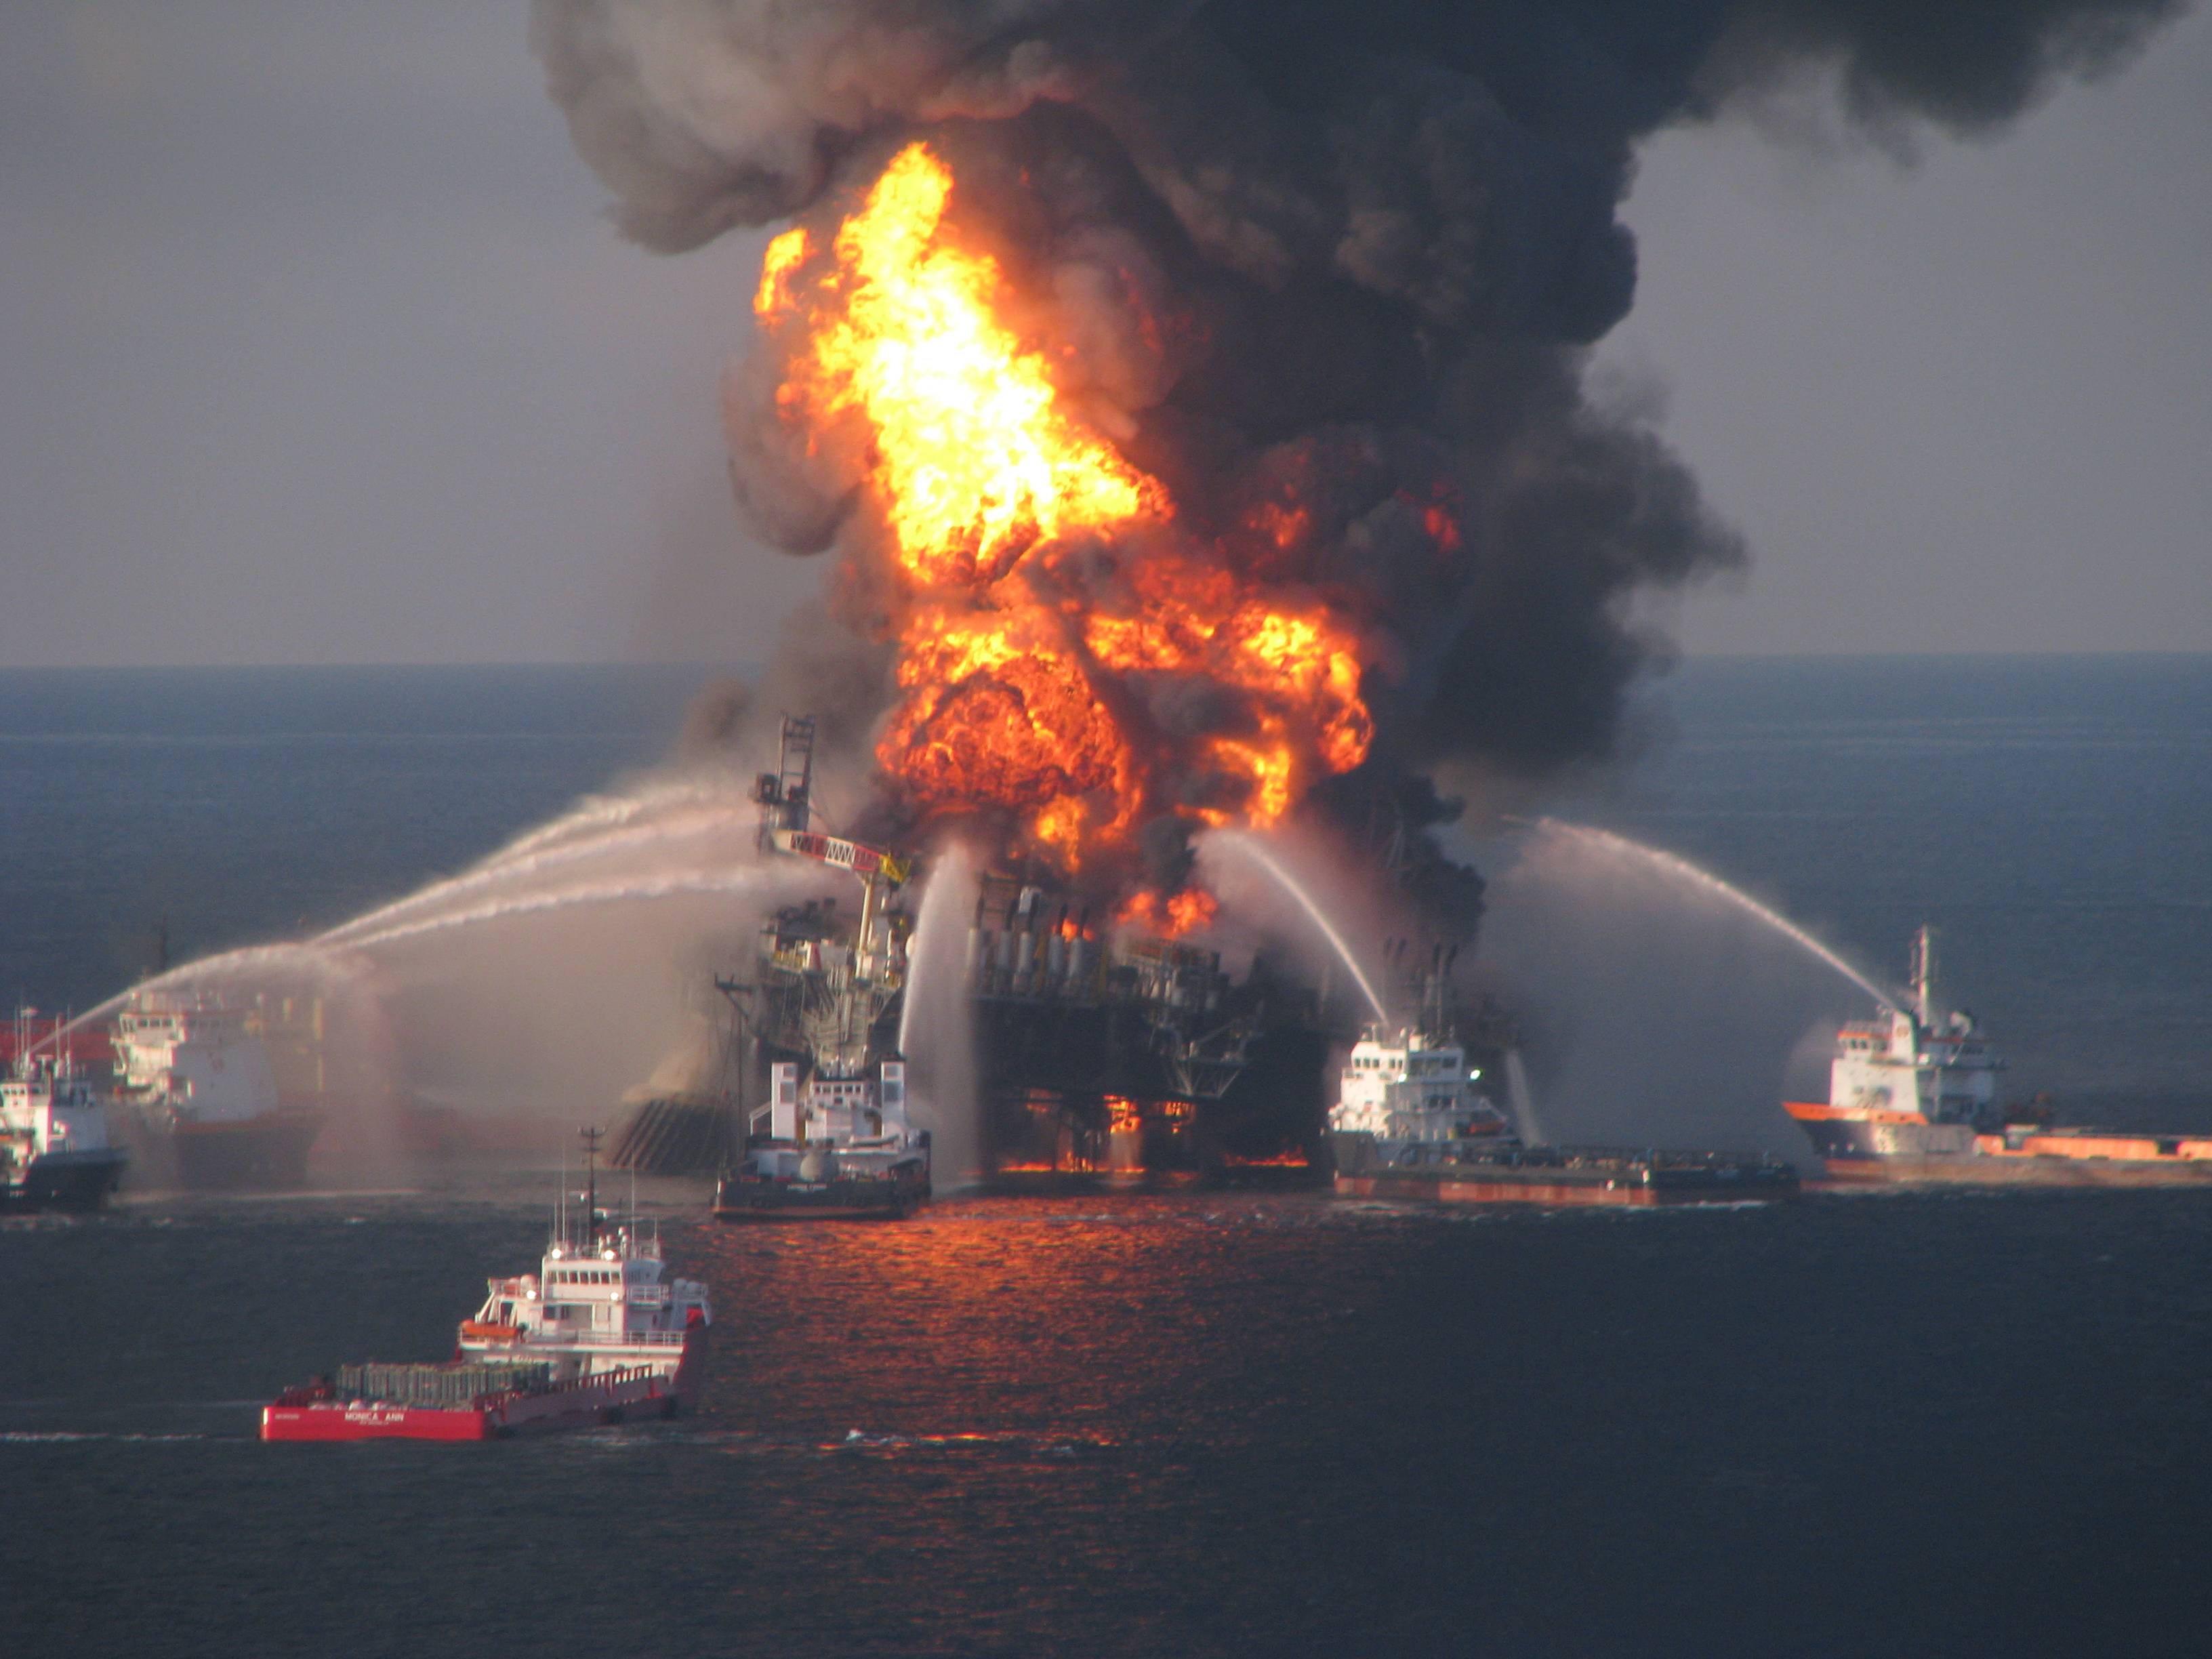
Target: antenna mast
column 1923, row 976
column 591, row 1140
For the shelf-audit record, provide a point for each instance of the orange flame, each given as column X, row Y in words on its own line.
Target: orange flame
column 976, row 459
column 1016, row 698
column 1172, row 914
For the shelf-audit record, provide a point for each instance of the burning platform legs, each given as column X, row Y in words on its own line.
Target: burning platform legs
column 1132, row 1054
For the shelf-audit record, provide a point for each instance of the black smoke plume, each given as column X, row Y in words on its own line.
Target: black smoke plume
column 1346, row 256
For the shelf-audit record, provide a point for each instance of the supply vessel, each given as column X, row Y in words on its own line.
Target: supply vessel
column 197, row 1096
column 1913, row 1097
column 55, row 1150
column 1410, row 1123
column 601, row 1333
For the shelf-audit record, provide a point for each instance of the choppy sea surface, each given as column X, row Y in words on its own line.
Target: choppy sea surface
column 1187, row 1423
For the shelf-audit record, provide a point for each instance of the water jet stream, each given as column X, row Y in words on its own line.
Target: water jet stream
column 1521, row 1101
column 594, row 814
column 936, row 1030
column 1243, row 841
column 621, row 892
column 600, row 825
column 502, row 869
column 329, row 966
column 1621, row 847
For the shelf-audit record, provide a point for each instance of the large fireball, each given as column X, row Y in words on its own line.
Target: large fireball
column 1026, row 691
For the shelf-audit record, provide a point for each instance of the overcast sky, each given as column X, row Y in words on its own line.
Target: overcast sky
column 316, row 347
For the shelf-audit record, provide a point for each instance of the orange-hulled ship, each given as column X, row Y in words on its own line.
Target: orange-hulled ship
column 1912, row 1096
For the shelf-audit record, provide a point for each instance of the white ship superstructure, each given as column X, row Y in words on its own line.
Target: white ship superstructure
column 199, row 1095
column 192, row 1060
column 600, row 1332
column 601, row 1302
column 858, row 1123
column 1913, row 1097
column 1915, row 1061
column 1410, row 1123
column 55, row 1150
column 1413, row 1095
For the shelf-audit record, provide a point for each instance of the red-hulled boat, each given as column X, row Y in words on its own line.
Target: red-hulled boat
column 599, row 1334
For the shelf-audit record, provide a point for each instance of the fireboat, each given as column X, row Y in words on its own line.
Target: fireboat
column 55, row 1150
column 1913, row 1097
column 1410, row 1123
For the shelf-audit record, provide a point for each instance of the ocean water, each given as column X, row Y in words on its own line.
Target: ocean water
column 1182, row 1424
column 2052, row 818
column 240, row 805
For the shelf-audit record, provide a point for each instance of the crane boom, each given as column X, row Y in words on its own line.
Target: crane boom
column 868, row 863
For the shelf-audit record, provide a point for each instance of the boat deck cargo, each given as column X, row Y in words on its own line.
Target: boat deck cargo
column 461, row 1400
column 1577, row 1175
column 1410, row 1122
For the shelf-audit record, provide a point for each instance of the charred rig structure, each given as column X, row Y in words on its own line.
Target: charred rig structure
column 1099, row 1047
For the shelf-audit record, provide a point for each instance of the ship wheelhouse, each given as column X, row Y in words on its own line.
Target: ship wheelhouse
column 1405, row 1087
column 604, row 1303
column 855, row 1125
column 191, row 1060
column 1898, row 1065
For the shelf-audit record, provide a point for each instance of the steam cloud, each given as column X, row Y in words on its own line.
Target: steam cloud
column 1342, row 258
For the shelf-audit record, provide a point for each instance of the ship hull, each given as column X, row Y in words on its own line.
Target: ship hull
column 1865, row 1149
column 584, row 1404
column 1556, row 1189
column 1977, row 1170
column 264, row 1153
column 1563, row 1176
column 66, row 1180
column 765, row 1198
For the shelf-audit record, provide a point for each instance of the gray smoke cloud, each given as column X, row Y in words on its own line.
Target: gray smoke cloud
column 1344, row 258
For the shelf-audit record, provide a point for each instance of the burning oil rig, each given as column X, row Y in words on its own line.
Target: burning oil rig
column 1099, row 1047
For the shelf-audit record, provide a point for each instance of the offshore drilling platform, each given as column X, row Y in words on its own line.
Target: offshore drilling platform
column 1089, row 656
column 1100, row 1046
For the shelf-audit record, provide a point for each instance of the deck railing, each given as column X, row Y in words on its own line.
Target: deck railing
column 588, row 1338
